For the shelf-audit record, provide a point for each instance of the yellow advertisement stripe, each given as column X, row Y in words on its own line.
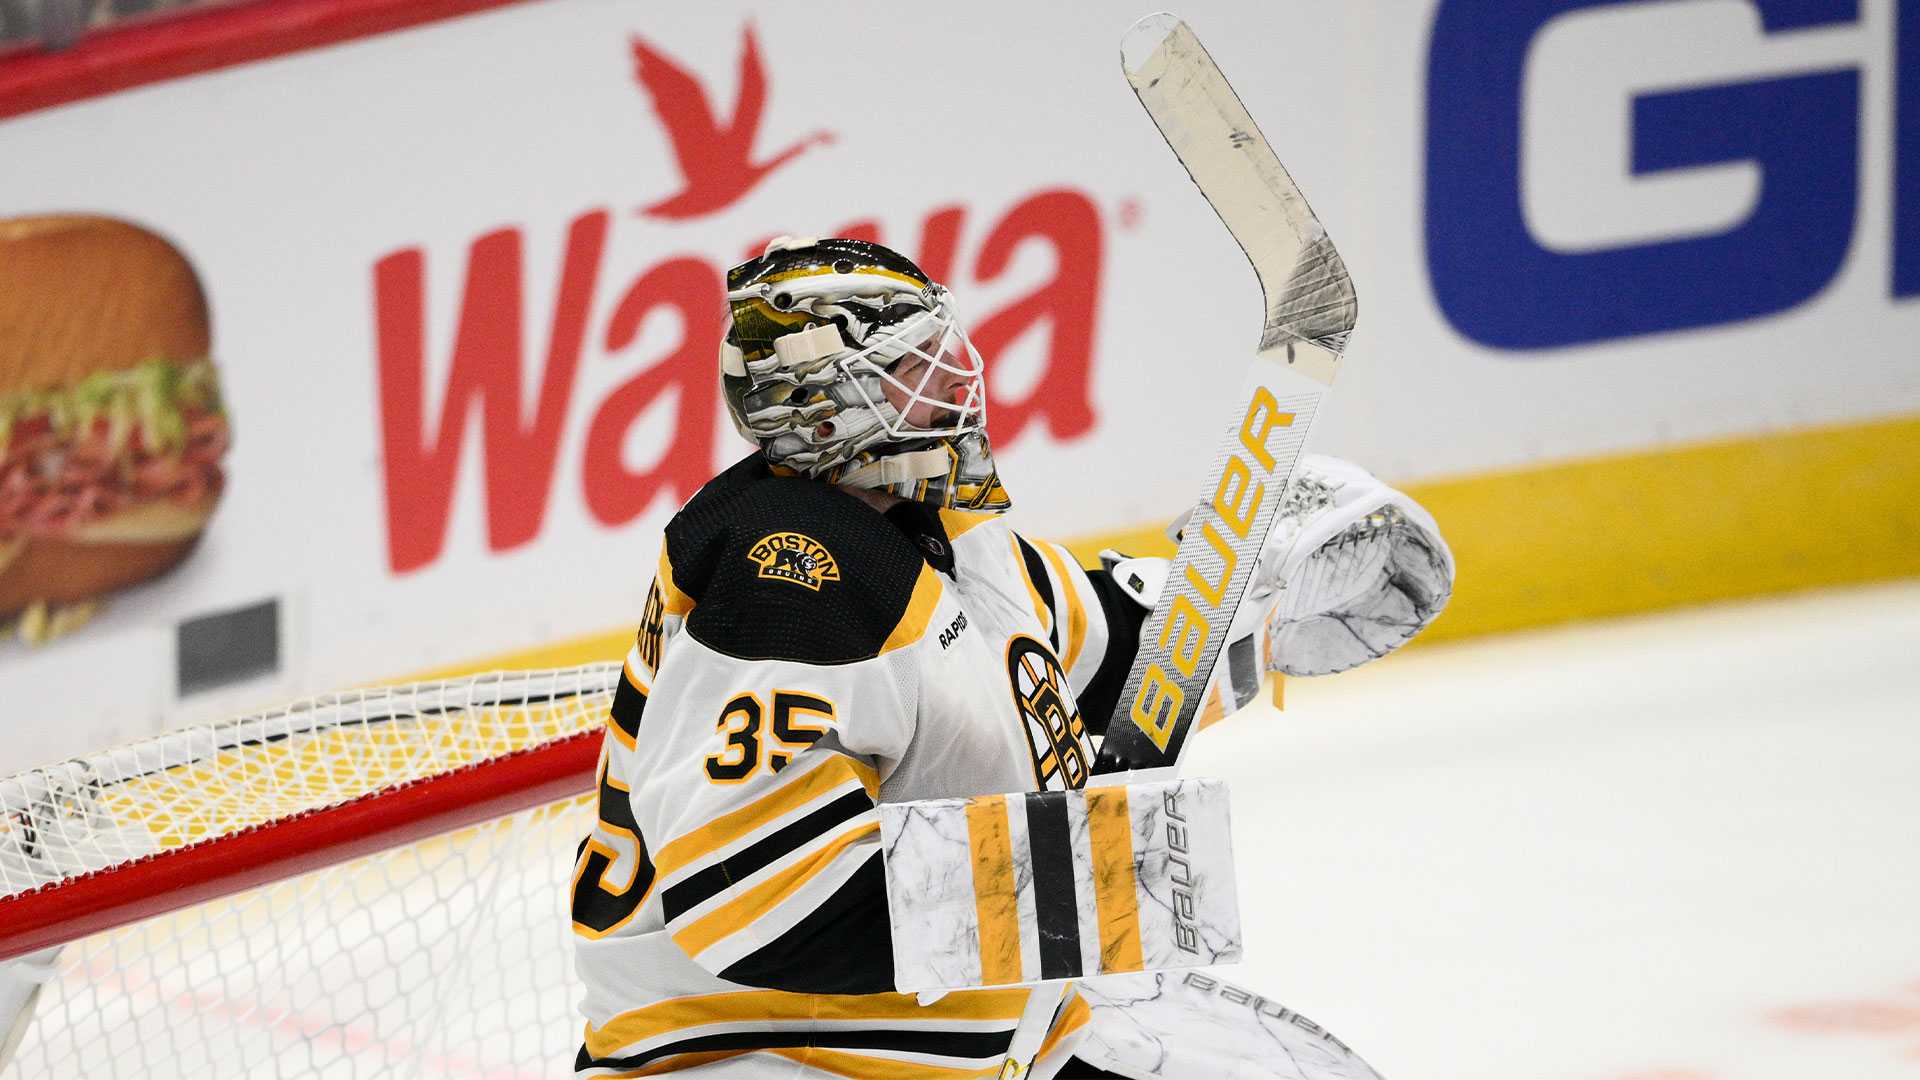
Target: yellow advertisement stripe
column 1685, row 525
column 725, row 829
column 1110, row 835
column 735, row 915
column 1076, row 611
column 759, row 1007
column 995, row 895
column 1678, row 525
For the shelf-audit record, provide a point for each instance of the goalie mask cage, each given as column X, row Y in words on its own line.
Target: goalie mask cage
column 370, row 883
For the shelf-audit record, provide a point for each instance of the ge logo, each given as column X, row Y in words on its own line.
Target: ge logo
column 1501, row 283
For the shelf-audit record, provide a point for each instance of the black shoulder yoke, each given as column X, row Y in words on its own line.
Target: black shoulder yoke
column 789, row 568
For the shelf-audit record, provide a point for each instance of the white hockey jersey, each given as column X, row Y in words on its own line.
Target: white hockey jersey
column 803, row 657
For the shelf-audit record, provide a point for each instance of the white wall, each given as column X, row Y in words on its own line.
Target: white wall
column 287, row 182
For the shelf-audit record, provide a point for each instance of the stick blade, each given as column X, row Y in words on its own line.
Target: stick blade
column 1309, row 297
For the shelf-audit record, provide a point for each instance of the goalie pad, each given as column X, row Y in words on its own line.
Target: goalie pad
column 1028, row 887
column 1173, row 1025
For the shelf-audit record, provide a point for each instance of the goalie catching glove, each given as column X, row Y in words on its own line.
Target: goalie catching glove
column 1353, row 570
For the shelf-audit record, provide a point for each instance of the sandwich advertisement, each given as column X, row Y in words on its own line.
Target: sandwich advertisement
column 343, row 342
column 113, row 431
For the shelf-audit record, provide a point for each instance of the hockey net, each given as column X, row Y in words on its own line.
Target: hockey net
column 370, row 883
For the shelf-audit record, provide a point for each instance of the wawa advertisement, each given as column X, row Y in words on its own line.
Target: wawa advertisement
column 395, row 350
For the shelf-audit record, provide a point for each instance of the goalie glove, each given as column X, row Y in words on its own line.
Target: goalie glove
column 1352, row 570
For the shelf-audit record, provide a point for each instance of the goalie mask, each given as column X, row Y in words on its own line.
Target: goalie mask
column 844, row 361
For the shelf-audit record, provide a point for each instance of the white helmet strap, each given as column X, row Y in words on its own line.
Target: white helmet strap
column 802, row 347
column 900, row 469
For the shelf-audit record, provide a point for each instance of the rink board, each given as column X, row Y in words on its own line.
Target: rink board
column 342, row 184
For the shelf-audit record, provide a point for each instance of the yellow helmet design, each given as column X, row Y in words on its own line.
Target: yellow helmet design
column 845, row 362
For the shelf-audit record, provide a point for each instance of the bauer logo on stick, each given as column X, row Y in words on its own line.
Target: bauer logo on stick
column 795, row 557
column 1310, row 311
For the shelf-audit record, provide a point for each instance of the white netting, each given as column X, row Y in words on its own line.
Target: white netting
column 449, row 956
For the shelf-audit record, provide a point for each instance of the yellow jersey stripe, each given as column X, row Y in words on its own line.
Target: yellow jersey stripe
column 1076, row 611
column 995, row 895
column 737, row 914
column 913, row 621
column 759, row 1007
column 672, row 599
column 621, row 702
column 1072, row 1019
column 1040, row 609
column 633, row 674
column 960, row 522
column 828, row 778
column 676, row 1063
column 1110, row 836
column 619, row 736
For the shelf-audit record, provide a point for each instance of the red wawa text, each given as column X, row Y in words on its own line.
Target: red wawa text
column 520, row 447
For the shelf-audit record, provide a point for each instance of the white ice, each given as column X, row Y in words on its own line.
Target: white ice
column 1675, row 847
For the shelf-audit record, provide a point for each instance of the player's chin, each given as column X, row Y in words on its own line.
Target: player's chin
column 932, row 420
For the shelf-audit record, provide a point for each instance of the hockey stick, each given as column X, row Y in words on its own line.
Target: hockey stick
column 1310, row 311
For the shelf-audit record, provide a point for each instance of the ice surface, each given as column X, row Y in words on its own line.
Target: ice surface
column 1678, row 847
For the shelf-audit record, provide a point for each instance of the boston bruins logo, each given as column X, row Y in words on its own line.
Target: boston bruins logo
column 795, row 557
column 1055, row 732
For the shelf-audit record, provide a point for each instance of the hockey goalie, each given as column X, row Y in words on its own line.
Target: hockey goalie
column 845, row 625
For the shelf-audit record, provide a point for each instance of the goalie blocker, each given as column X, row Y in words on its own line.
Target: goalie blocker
column 1005, row 889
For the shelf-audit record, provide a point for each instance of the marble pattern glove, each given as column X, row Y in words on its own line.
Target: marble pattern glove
column 1352, row 571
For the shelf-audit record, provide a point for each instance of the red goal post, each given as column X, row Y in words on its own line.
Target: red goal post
column 354, row 882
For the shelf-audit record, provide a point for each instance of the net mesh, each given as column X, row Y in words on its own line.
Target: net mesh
column 448, row 956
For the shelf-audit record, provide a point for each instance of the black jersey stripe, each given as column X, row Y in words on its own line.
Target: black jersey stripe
column 982, row 1046
column 1124, row 617
column 1056, row 913
column 1037, row 573
column 843, row 946
column 629, row 704
column 698, row 888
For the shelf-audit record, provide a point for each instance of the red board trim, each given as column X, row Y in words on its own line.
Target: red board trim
column 278, row 850
column 192, row 42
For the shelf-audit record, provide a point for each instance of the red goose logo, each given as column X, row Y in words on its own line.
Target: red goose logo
column 715, row 160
